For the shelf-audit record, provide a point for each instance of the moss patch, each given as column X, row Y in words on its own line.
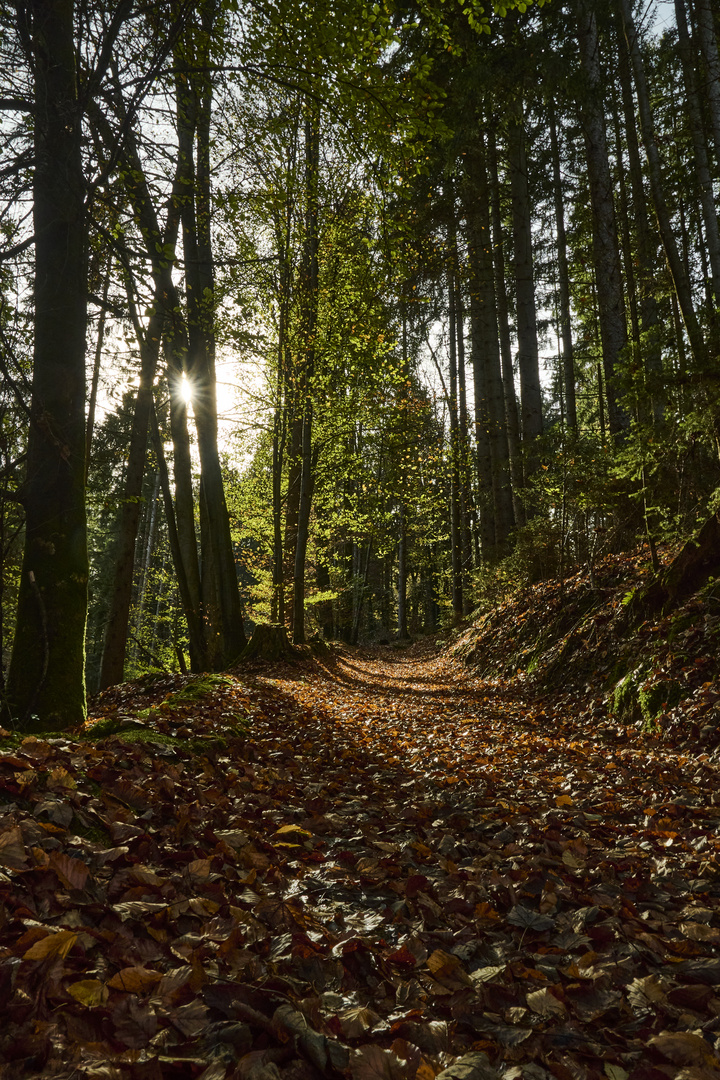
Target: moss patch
column 198, row 689
column 656, row 698
column 625, row 697
column 638, row 698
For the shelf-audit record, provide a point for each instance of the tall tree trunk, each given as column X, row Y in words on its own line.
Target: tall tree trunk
column 95, row 380
column 708, row 43
column 455, row 518
column 225, row 634
column 679, row 276
column 568, row 363
column 277, row 602
column 503, row 318
column 174, row 351
column 646, row 239
column 466, row 454
column 606, row 251
column 187, row 595
column 530, row 391
column 626, row 240
column 116, row 628
column 486, row 348
column 702, row 166
column 280, row 433
column 175, row 347
column 46, row 677
column 402, row 577
column 362, row 592
column 310, row 301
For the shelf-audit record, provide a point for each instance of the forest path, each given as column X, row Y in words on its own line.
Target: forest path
column 417, row 709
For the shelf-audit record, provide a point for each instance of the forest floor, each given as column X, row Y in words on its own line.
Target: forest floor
column 377, row 865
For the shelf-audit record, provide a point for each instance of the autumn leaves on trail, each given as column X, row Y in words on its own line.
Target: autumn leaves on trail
column 400, row 871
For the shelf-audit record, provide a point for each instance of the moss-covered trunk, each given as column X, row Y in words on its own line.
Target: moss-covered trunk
column 46, row 676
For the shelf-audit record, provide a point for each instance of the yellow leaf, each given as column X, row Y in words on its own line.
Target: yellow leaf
column 56, row 944
column 89, row 992
column 563, row 800
column 292, row 829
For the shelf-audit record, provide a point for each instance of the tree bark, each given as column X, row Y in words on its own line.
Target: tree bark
column 187, row 596
column 702, row 166
column 310, row 301
column 455, row 518
column 606, row 251
column 402, row 578
column 465, row 481
column 225, row 634
column 646, row 239
column 490, row 405
column 506, row 361
column 678, row 273
column 709, row 46
column 568, row 363
column 46, row 677
column 116, row 628
column 530, row 391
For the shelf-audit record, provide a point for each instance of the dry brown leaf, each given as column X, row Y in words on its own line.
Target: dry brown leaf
column 135, row 980
column 57, row 944
column 544, row 1003
column 12, row 850
column 684, row 1048
column 72, row 872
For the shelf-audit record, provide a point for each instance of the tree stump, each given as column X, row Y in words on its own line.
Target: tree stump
column 695, row 563
column 268, row 642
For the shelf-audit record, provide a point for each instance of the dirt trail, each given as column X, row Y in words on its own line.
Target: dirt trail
column 419, row 709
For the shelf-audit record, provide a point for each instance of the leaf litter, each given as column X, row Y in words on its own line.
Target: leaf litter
column 375, row 866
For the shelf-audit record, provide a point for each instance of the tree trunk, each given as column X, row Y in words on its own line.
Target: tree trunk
column 708, row 43
column 402, row 578
column 606, row 251
column 486, row 348
column 47, row 677
column 310, row 301
column 465, row 481
column 278, row 446
column 175, row 346
column 97, row 359
column 568, row 363
column 116, row 628
column 702, row 166
column 677, row 270
column 645, row 238
column 357, row 615
column 187, row 596
column 501, row 305
column 225, row 634
column 455, row 518
column 530, row 391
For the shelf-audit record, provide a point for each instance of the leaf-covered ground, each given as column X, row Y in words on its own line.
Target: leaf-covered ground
column 399, row 870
